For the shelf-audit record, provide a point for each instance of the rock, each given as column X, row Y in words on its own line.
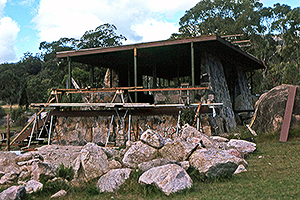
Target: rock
column 13, row 193
column 144, row 166
column 179, row 150
column 243, row 146
column 43, row 171
column 8, row 178
column 113, row 164
column 191, row 134
column 110, row 152
column 152, row 138
column 57, row 154
column 111, row 181
column 234, row 152
column 7, row 163
column 214, row 163
column 90, row 163
column 185, row 165
column 138, row 153
column 169, row 178
column 271, row 108
column 240, row 169
column 219, row 139
column 24, row 175
column 59, row 194
column 33, row 186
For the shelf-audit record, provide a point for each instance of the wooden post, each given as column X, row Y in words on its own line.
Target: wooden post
column 193, row 69
column 288, row 114
column 8, row 134
column 135, row 74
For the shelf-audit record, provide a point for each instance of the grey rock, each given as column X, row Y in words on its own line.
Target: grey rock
column 113, row 164
column 59, row 194
column 219, row 139
column 33, row 186
column 57, row 155
column 185, row 165
column 191, row 134
column 7, row 162
column 42, row 170
column 152, row 138
column 90, row 163
column 13, row 193
column 214, row 163
column 243, row 146
column 138, row 153
column 8, row 178
column 111, row 181
column 169, row 178
column 179, row 150
column 240, row 169
column 144, row 166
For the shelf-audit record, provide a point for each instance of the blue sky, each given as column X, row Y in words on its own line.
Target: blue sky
column 26, row 23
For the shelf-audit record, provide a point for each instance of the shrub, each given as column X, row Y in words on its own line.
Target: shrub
column 65, row 172
column 19, row 116
column 2, row 112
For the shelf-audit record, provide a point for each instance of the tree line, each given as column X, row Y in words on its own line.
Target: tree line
column 274, row 34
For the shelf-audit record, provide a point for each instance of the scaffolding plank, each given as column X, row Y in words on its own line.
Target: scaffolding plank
column 288, row 114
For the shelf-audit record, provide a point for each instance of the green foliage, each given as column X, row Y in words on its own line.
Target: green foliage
column 187, row 117
column 132, row 186
column 65, row 172
column 52, row 187
column 19, row 116
column 2, row 112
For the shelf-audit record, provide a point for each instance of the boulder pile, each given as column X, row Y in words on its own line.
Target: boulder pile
column 162, row 162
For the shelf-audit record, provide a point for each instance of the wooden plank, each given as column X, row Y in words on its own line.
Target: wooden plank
column 288, row 114
column 29, row 123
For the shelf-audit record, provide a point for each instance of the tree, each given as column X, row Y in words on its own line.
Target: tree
column 103, row 36
column 224, row 17
column 274, row 33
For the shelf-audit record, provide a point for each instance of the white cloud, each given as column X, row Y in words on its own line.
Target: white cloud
column 2, row 5
column 153, row 30
column 138, row 20
column 8, row 35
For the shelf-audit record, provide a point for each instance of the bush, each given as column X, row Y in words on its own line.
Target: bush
column 19, row 116
column 2, row 112
column 65, row 172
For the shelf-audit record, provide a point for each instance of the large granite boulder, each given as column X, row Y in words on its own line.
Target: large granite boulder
column 138, row 153
column 271, row 108
column 214, row 163
column 152, row 138
column 111, row 181
column 169, row 178
column 90, row 163
column 13, row 193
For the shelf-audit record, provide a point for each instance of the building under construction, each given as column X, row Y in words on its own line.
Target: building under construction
column 159, row 85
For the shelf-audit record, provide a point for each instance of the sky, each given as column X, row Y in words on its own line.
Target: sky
column 24, row 24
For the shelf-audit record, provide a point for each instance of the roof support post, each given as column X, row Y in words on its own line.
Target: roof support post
column 193, row 69
column 135, row 74
column 69, row 73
